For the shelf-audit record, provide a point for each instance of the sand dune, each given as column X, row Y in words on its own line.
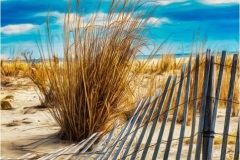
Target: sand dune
column 29, row 128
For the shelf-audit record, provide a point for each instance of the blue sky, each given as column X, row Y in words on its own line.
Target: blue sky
column 23, row 20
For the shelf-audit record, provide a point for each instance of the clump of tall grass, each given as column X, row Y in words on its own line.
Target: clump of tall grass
column 218, row 139
column 13, row 68
column 226, row 82
column 157, row 66
column 224, row 87
column 5, row 102
column 86, row 91
column 154, row 74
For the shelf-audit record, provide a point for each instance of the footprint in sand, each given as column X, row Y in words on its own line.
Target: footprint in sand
column 26, row 121
column 29, row 111
column 33, row 109
column 13, row 123
column 18, row 122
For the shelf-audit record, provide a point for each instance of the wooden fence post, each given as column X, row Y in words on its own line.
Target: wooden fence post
column 194, row 107
column 215, row 108
column 236, row 154
column 185, row 111
column 173, row 123
column 207, row 132
column 203, row 105
column 229, row 107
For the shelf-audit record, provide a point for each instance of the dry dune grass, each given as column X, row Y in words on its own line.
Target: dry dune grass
column 154, row 76
column 100, row 80
column 218, row 139
column 224, row 88
column 149, row 76
column 226, row 80
column 166, row 63
column 89, row 89
column 14, row 68
column 5, row 102
column 231, row 138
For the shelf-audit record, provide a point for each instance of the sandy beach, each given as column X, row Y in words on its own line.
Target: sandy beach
column 154, row 72
column 28, row 128
column 26, row 123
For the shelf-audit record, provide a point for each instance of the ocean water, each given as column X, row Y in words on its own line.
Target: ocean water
column 178, row 55
column 141, row 56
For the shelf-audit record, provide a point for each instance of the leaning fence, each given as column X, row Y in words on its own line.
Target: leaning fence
column 151, row 131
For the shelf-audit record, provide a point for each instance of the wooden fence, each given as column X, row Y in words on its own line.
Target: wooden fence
column 143, row 136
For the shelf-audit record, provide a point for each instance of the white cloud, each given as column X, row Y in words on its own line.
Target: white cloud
column 167, row 2
column 156, row 2
column 58, row 15
column 16, row 29
column 101, row 18
column 158, row 21
column 218, row 1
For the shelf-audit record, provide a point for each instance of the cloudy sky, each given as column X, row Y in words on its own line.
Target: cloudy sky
column 23, row 20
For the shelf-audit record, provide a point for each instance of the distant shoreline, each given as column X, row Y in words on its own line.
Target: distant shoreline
column 139, row 57
column 177, row 55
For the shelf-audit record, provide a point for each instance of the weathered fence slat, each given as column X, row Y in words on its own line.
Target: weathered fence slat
column 229, row 107
column 203, row 104
column 171, row 131
column 59, row 152
column 107, row 142
column 237, row 146
column 133, row 157
column 150, row 136
column 137, row 127
column 194, row 107
column 64, row 152
column 207, row 132
column 97, row 145
column 185, row 113
column 89, row 144
column 215, row 107
column 108, row 154
column 77, row 147
column 25, row 156
column 132, row 125
column 164, row 121
column 106, row 139
column 149, row 110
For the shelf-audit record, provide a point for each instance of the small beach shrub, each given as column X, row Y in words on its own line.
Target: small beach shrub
column 13, row 68
column 5, row 102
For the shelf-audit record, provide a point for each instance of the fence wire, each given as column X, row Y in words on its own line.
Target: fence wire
column 156, row 116
column 190, row 100
column 203, row 61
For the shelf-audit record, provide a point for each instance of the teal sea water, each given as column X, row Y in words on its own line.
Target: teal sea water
column 178, row 55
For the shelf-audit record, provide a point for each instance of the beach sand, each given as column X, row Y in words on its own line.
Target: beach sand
column 30, row 129
column 26, row 123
